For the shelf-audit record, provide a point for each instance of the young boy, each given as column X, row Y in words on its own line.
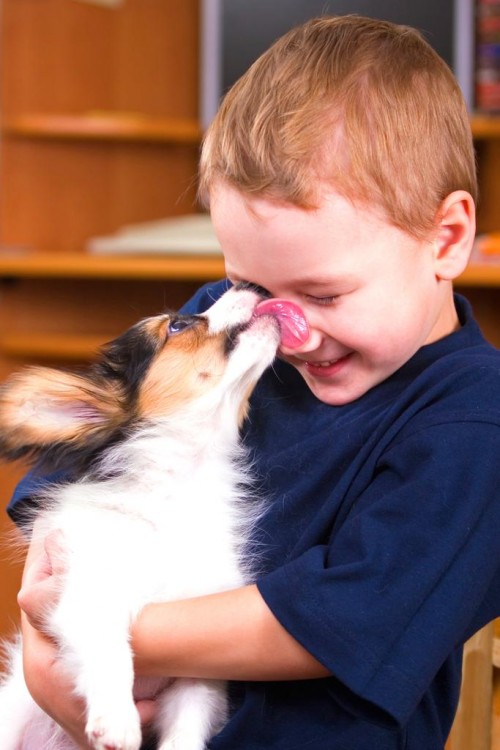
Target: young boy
column 340, row 175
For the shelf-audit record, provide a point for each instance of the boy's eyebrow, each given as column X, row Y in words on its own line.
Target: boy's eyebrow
column 323, row 281
column 312, row 280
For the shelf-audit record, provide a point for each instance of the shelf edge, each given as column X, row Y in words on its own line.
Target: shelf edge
column 86, row 266
column 106, row 127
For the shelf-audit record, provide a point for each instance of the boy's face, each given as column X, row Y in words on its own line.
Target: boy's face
column 370, row 292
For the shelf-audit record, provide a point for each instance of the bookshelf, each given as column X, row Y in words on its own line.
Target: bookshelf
column 485, row 127
column 99, row 118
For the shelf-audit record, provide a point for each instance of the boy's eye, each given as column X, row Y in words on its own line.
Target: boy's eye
column 321, row 300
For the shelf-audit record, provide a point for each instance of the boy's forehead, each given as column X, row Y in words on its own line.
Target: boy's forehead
column 226, row 199
column 241, row 220
column 284, row 247
column 228, row 205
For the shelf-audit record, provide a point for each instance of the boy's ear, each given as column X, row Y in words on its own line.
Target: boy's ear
column 40, row 407
column 456, row 228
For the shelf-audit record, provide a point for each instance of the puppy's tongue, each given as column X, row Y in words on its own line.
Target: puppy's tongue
column 293, row 325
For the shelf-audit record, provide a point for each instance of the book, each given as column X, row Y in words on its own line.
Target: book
column 181, row 235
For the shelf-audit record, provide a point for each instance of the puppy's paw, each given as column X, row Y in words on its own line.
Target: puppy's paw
column 115, row 732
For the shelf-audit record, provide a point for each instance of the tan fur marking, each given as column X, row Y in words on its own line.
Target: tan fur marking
column 156, row 327
column 189, row 365
column 39, row 406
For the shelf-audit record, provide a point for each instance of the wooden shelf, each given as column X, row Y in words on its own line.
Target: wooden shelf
column 28, row 264
column 45, row 265
column 67, row 347
column 485, row 126
column 480, row 275
column 131, row 126
column 103, row 126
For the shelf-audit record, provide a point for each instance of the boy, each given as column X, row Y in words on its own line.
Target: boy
column 340, row 175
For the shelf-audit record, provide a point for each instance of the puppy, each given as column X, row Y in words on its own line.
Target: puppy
column 158, row 508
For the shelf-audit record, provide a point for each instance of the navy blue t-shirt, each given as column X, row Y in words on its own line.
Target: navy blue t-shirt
column 378, row 550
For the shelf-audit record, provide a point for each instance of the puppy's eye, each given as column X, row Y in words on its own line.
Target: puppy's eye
column 176, row 325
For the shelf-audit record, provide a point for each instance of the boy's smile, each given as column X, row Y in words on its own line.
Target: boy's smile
column 372, row 294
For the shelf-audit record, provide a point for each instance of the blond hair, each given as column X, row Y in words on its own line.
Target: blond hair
column 366, row 106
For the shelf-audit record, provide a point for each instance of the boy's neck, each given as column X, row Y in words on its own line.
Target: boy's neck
column 447, row 320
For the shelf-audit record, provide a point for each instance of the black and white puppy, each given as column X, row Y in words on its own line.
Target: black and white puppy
column 159, row 508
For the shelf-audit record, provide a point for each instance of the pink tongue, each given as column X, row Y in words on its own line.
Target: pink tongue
column 293, row 325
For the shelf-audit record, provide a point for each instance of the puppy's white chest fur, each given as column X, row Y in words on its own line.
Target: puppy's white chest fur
column 181, row 533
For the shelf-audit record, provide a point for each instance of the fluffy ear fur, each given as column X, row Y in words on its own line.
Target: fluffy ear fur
column 41, row 408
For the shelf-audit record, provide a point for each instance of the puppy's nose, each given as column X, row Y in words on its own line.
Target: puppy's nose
column 241, row 285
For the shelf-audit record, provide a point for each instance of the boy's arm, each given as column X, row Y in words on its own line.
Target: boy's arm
column 231, row 635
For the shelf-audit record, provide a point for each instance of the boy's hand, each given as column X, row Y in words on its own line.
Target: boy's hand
column 50, row 686
column 41, row 584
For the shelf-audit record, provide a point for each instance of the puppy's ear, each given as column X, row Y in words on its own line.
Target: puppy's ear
column 40, row 407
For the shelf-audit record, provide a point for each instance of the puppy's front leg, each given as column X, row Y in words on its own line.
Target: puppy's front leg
column 191, row 712
column 17, row 708
column 95, row 647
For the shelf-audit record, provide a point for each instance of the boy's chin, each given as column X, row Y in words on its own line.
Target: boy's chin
column 334, row 394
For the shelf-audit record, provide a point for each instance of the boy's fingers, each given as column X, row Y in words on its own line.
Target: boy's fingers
column 56, row 552
column 147, row 710
column 41, row 583
column 36, row 600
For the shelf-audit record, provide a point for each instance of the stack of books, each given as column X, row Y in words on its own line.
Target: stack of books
column 192, row 235
column 488, row 56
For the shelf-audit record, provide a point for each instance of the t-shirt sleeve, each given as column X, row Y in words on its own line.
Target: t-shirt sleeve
column 22, row 501
column 205, row 297
column 33, row 482
column 385, row 602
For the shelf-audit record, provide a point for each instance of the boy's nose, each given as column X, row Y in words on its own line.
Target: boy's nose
column 309, row 344
column 293, row 324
